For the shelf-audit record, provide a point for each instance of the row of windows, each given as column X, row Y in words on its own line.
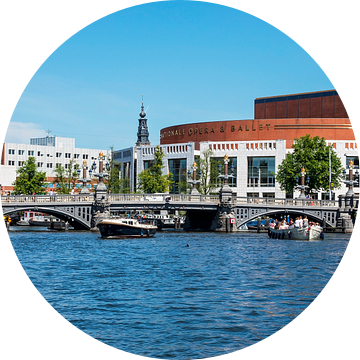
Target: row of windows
column 39, row 164
column 58, row 154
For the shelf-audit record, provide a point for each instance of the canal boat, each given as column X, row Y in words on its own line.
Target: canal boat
column 41, row 220
column 125, row 228
column 304, row 233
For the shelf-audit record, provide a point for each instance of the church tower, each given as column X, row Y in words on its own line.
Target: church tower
column 143, row 132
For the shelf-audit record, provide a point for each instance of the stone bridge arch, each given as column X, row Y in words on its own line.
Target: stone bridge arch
column 317, row 215
column 66, row 213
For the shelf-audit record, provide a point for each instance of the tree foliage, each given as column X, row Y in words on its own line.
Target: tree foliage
column 209, row 173
column 312, row 153
column 65, row 179
column 113, row 180
column 28, row 179
column 152, row 180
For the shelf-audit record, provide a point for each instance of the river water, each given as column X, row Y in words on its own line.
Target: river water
column 160, row 298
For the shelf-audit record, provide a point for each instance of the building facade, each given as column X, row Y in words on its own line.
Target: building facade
column 256, row 146
column 49, row 152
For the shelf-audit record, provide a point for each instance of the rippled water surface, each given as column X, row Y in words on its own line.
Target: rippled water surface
column 159, row 298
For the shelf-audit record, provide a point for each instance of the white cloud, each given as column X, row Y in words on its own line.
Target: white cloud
column 20, row 133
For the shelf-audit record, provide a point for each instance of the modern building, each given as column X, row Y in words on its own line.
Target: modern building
column 255, row 147
column 49, row 152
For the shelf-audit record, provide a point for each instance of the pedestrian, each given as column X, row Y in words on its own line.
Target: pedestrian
column 306, row 221
column 301, row 222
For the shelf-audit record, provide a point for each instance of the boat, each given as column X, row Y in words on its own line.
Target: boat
column 125, row 227
column 41, row 220
column 312, row 232
column 23, row 222
column 165, row 221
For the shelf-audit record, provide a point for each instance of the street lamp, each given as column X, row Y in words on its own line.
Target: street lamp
column 302, row 187
column 350, row 183
column 101, row 190
column 193, row 181
column 84, row 180
column 226, row 176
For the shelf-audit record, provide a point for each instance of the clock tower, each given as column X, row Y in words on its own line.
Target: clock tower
column 143, row 131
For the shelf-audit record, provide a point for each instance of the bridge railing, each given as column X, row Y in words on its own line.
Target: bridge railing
column 185, row 198
column 46, row 198
column 242, row 200
column 163, row 197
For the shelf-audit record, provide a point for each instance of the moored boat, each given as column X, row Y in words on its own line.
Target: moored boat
column 124, row 227
column 304, row 233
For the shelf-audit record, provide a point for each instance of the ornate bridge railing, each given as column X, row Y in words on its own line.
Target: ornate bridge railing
column 148, row 198
column 46, row 198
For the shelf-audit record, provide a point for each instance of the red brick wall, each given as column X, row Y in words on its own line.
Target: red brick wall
column 325, row 104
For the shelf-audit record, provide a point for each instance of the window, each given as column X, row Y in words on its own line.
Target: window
column 11, row 162
column 261, row 171
column 68, row 155
column 11, row 151
column 21, row 152
column 57, row 166
column 40, row 164
column 31, row 153
column 57, row 154
column 85, row 156
column 20, row 163
column 39, row 153
column 178, row 168
column 148, row 164
column 49, row 165
column 76, row 156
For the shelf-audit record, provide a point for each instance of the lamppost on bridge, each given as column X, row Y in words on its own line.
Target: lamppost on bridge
column 101, row 191
column 84, row 180
column 225, row 191
column 226, row 175
column 227, row 216
column 193, row 181
column 351, row 182
column 302, row 186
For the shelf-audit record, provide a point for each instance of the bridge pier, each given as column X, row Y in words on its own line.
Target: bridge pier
column 222, row 220
column 100, row 210
column 344, row 218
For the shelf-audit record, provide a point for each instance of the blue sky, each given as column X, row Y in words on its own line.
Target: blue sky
column 192, row 61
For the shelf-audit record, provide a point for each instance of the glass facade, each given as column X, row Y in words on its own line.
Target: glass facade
column 263, row 169
column 177, row 168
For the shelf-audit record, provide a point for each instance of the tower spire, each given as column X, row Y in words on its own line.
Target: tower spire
column 143, row 132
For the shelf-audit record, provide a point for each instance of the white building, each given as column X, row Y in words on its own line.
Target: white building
column 245, row 155
column 49, row 153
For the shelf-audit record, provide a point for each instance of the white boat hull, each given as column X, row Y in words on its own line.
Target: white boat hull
column 304, row 233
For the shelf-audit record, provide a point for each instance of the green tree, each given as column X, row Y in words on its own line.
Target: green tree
column 312, row 154
column 209, row 172
column 60, row 180
column 71, row 173
column 65, row 179
column 152, row 180
column 28, row 179
column 113, row 180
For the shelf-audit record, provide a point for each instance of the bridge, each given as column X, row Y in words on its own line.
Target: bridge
column 204, row 212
